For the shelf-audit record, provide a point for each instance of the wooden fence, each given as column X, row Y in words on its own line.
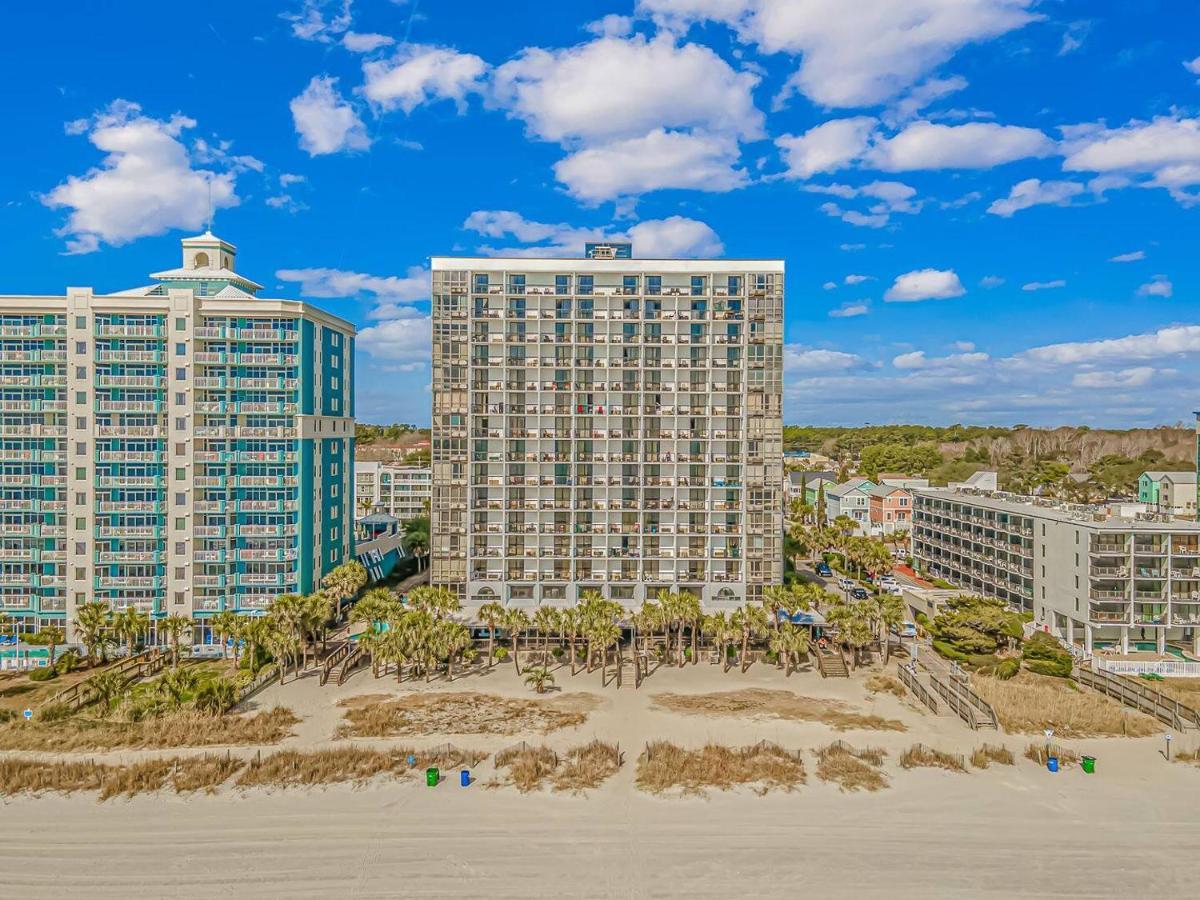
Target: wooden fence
column 1141, row 697
column 133, row 668
column 969, row 706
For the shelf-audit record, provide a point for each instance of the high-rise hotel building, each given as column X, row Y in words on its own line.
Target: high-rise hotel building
column 183, row 447
column 609, row 424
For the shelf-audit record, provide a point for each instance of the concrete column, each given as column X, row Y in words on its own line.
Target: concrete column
column 1070, row 631
column 1161, row 640
column 1196, row 642
column 1087, row 639
column 1125, row 639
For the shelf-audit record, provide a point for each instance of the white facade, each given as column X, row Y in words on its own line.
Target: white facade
column 607, row 424
column 1092, row 578
column 400, row 491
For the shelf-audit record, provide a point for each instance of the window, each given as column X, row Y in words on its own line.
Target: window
column 80, row 548
column 180, row 474
column 180, row 324
column 181, row 374
column 80, row 472
column 80, row 449
column 180, row 423
column 180, row 449
column 80, row 498
column 81, row 321
column 81, row 423
column 80, row 524
column 80, row 573
column 81, row 371
column 180, row 397
column 180, row 548
column 81, row 347
column 180, row 499
column 181, row 349
column 180, row 524
column 179, row 598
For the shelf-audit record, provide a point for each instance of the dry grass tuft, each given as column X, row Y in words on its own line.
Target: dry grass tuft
column 775, row 705
column 882, row 683
column 588, row 766
column 79, row 733
column 527, row 766
column 918, row 756
column 294, row 768
column 1029, row 704
column 850, row 768
column 664, row 766
column 184, row 774
column 982, row 757
column 460, row 713
column 1187, row 756
column 1037, row 752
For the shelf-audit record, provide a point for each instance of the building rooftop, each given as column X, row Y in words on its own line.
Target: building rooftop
column 1176, row 477
column 1087, row 515
column 575, row 264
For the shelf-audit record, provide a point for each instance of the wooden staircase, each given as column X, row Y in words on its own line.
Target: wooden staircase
column 627, row 673
column 830, row 662
column 354, row 658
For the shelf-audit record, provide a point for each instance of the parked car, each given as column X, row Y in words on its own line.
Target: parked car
column 846, row 584
column 859, row 593
column 887, row 581
column 905, row 629
column 824, row 571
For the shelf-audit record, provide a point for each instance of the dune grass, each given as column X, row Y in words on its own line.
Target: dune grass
column 850, row 768
column 307, row 768
column 457, row 713
column 985, row 755
column 882, row 683
column 664, row 766
column 772, row 704
column 1038, row 753
column 918, row 756
column 182, row 774
column 85, row 733
column 579, row 769
column 1030, row 703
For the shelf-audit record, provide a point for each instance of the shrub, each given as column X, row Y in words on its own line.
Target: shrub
column 8, row 715
column 43, row 674
column 920, row 756
column 949, row 652
column 1045, row 656
column 68, row 662
column 557, row 652
column 53, row 712
column 500, row 654
column 982, row 757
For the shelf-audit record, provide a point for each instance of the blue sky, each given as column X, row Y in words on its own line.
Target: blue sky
column 988, row 208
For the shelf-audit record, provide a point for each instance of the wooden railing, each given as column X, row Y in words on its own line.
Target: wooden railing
column 133, row 668
column 969, row 706
column 339, row 653
column 909, row 679
column 1141, row 697
column 264, row 678
column 353, row 658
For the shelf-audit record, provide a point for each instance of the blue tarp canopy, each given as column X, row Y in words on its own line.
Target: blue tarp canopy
column 811, row 617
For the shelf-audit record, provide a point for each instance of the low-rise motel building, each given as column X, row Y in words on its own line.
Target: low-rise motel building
column 1101, row 578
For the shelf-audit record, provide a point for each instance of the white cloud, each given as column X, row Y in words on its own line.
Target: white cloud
column 1158, row 286
column 657, row 161
column 365, row 42
column 963, row 346
column 1044, row 285
column 1134, row 256
column 1125, row 378
column 925, row 284
column 325, row 121
column 1193, row 66
column 857, row 279
column 320, row 20
column 405, row 341
column 322, row 282
column 675, row 236
column 854, row 55
column 798, row 358
column 1167, row 149
column 890, row 196
column 145, row 185
column 1035, row 192
column 921, row 96
column 286, row 202
column 854, row 216
column 850, row 310
column 421, row 73
column 1074, row 36
column 990, row 281
column 973, row 145
column 618, row 88
column 850, row 248
column 1176, row 339
column 611, row 25
column 830, row 286
column 287, row 179
column 918, row 360
column 826, row 147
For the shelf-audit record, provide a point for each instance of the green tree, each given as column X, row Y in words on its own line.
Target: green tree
column 129, row 625
column 50, row 636
column 216, row 696
column 416, row 537
column 492, row 614
column 516, row 623
column 174, row 627
column 539, row 678
column 93, row 623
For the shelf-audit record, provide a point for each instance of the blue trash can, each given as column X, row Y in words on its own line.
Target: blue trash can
column 464, row 778
column 1052, row 763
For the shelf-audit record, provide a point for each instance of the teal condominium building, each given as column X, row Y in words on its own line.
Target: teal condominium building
column 184, row 447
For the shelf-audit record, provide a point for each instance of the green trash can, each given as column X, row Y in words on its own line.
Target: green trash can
column 432, row 777
column 1089, row 764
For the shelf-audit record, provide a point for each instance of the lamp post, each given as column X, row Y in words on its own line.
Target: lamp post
column 1167, row 736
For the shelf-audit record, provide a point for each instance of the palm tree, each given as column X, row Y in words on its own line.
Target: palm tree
column 316, row 608
column 690, row 615
column 854, row 625
column 377, row 605
column 256, row 632
column 538, row 678
column 174, row 627
column 776, row 599
column 345, row 581
column 751, row 621
column 570, row 622
column 603, row 634
column 491, row 614
column 93, row 621
column 173, row 687
column 225, row 628
column 789, row 643
column 452, row 638
column 416, row 537
column 286, row 615
column 107, row 687
column 723, row 634
column 130, row 624
column 216, row 696
column 49, row 636
column 516, row 622
column 889, row 612
column 547, row 621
